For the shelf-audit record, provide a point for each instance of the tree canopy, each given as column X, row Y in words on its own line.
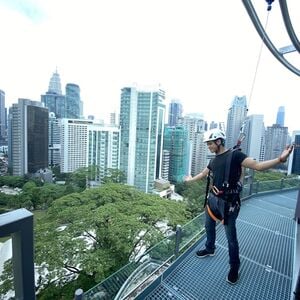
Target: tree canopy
column 94, row 233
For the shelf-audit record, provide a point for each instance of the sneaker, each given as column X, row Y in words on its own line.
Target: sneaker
column 204, row 253
column 233, row 276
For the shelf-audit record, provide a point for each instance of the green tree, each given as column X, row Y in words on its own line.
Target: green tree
column 114, row 176
column 87, row 236
column 81, row 177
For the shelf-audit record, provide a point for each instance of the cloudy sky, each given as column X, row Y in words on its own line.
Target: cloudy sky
column 201, row 52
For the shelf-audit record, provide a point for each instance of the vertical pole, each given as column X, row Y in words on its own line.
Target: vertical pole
column 178, row 239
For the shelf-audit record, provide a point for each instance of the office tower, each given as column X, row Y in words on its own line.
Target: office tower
column 195, row 125
column 54, row 140
column 142, row 116
column 175, row 112
column 85, row 143
column 276, row 141
column 176, row 143
column 28, row 137
column 73, row 102
column 53, row 99
column 235, row 118
column 3, row 120
column 253, row 144
column 280, row 116
column 55, row 84
column 294, row 160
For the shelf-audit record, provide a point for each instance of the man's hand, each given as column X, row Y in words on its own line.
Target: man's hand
column 187, row 178
column 285, row 153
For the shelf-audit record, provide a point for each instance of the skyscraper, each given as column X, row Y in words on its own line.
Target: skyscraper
column 53, row 99
column 142, row 123
column 176, row 143
column 235, row 118
column 54, row 140
column 197, row 157
column 73, row 102
column 28, row 138
column 276, row 140
column 254, row 142
column 3, row 120
column 280, row 116
column 175, row 112
column 54, row 84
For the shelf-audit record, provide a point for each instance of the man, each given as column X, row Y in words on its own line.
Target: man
column 223, row 201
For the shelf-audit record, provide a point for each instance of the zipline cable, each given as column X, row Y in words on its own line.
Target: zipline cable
column 257, row 63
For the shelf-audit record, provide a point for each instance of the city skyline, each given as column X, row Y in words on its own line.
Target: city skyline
column 199, row 55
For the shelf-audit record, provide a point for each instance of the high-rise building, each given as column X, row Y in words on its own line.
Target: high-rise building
column 197, row 157
column 176, row 143
column 280, row 116
column 175, row 112
column 28, row 137
column 3, row 120
column 53, row 99
column 253, row 144
column 276, row 141
column 294, row 160
column 85, row 143
column 54, row 140
column 74, row 107
column 235, row 118
column 142, row 117
column 55, row 84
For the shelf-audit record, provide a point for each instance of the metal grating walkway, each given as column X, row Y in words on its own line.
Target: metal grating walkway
column 266, row 232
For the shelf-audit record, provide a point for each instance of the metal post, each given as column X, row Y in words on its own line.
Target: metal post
column 281, row 184
column 19, row 224
column 178, row 239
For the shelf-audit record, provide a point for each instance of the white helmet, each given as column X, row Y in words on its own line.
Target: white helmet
column 214, row 134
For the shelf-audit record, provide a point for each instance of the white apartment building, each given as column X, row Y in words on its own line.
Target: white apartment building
column 85, row 143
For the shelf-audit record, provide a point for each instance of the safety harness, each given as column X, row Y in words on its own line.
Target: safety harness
column 228, row 194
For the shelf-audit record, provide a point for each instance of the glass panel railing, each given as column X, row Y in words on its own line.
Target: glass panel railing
column 150, row 264
column 147, row 267
column 273, row 185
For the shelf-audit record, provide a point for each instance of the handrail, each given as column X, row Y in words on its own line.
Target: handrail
column 19, row 224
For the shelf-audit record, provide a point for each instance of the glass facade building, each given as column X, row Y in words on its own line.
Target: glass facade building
column 142, row 116
column 235, row 118
column 176, row 143
column 73, row 102
column 28, row 138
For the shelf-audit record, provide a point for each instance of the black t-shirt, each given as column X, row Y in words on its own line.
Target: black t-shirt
column 217, row 166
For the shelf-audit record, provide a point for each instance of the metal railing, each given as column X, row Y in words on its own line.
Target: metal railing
column 135, row 276
column 19, row 225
